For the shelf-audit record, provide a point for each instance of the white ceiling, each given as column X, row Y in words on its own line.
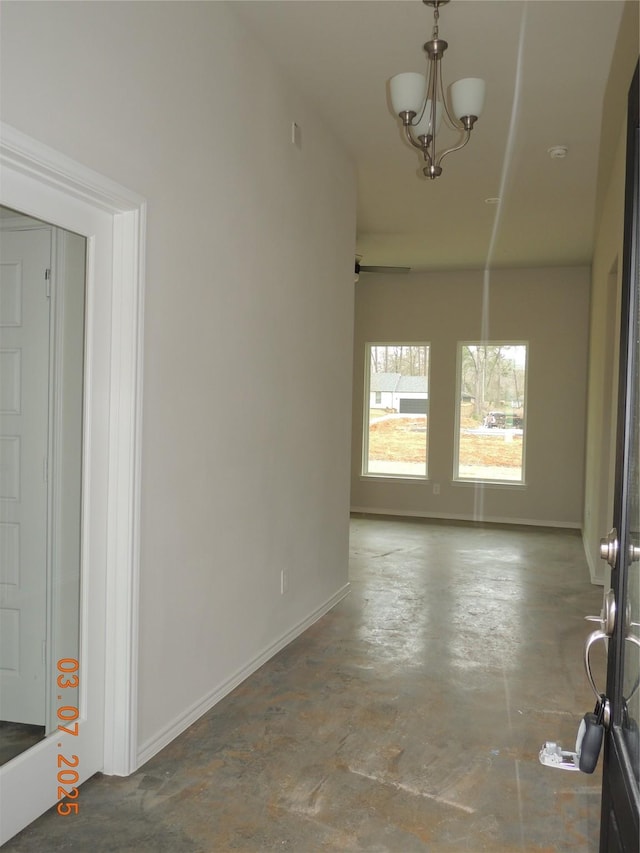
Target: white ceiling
column 546, row 63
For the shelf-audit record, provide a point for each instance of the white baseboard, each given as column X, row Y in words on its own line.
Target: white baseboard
column 490, row 519
column 153, row 745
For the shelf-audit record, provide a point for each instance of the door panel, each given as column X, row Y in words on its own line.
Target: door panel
column 621, row 769
column 25, row 257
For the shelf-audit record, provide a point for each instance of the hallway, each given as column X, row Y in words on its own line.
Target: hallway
column 408, row 719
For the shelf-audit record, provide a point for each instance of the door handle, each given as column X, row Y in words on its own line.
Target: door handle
column 590, row 733
column 601, row 697
column 607, row 620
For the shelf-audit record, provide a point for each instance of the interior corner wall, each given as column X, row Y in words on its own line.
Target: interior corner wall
column 548, row 309
column 248, row 322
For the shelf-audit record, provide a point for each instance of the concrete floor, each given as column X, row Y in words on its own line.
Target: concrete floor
column 16, row 738
column 407, row 719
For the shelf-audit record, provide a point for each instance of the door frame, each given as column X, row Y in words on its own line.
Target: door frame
column 41, row 182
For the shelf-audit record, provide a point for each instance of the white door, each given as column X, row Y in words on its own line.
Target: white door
column 25, row 258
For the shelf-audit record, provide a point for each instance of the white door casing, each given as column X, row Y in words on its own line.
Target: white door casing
column 25, row 264
column 42, row 183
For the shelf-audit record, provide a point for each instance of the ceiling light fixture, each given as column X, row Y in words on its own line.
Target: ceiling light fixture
column 421, row 104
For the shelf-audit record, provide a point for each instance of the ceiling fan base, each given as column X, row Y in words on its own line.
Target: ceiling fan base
column 375, row 268
column 380, row 269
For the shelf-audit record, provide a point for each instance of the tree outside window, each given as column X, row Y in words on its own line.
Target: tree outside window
column 396, row 410
column 491, row 412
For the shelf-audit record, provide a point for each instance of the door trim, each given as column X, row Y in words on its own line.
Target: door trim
column 33, row 175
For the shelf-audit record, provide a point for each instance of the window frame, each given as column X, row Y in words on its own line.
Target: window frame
column 474, row 481
column 366, row 397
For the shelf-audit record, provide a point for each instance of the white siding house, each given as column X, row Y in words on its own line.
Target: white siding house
column 398, row 393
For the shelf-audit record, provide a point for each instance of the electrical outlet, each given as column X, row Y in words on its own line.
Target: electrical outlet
column 436, row 488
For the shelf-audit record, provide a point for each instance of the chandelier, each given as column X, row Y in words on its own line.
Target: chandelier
column 420, row 102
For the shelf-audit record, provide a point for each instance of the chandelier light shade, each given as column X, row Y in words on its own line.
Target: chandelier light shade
column 408, row 92
column 419, row 100
column 467, row 97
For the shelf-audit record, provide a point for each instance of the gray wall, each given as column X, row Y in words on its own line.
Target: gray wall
column 549, row 309
column 248, row 321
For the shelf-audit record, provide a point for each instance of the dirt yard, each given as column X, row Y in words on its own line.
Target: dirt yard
column 404, row 439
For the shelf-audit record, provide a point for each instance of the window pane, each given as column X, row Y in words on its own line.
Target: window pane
column 491, row 413
column 396, row 410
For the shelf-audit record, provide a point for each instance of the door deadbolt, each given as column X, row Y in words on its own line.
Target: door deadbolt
column 609, row 548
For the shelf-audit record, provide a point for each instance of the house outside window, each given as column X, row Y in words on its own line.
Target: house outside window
column 490, row 430
column 396, row 397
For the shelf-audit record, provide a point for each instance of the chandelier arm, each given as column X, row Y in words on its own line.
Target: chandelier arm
column 427, row 79
column 453, row 124
column 455, row 147
column 415, row 142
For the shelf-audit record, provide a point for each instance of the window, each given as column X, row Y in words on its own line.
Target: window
column 491, row 412
column 396, row 410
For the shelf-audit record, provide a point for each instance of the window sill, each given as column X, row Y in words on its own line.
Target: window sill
column 403, row 478
column 502, row 484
